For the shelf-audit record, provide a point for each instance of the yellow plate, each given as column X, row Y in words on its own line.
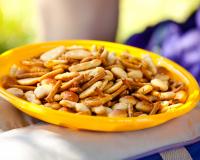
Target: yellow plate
column 92, row 122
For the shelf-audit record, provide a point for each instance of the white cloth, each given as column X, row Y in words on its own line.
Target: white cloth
column 48, row 142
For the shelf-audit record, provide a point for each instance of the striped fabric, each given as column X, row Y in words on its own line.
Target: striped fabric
column 190, row 152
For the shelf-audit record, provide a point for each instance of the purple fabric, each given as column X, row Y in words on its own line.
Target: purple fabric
column 178, row 42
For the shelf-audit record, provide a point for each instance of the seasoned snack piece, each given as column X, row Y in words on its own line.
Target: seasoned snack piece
column 71, row 96
column 115, row 87
column 16, row 91
column 77, row 54
column 85, row 65
column 90, row 90
column 68, row 84
column 119, row 72
column 145, row 89
column 42, row 91
column 144, row 107
column 66, row 75
column 30, row 96
column 135, row 74
column 53, row 91
column 28, row 81
column 160, row 84
column 52, row 54
column 118, row 113
column 96, row 82
column 53, row 105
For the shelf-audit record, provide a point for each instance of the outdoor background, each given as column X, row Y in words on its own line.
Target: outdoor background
column 19, row 23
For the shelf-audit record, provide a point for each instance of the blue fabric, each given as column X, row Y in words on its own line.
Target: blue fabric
column 180, row 43
column 152, row 157
column 176, row 41
column 194, row 150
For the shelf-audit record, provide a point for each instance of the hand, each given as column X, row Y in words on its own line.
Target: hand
column 10, row 117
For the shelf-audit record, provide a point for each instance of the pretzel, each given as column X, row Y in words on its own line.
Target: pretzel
column 117, row 92
column 69, row 83
column 155, row 108
column 66, row 75
column 104, row 84
column 96, row 82
column 130, row 65
column 90, row 90
column 51, row 74
column 54, row 62
column 85, row 65
column 25, row 88
column 130, row 110
column 104, row 56
column 110, row 84
column 115, row 87
column 38, row 69
column 60, row 66
column 33, row 62
column 86, row 59
column 30, row 74
column 141, row 97
column 96, row 78
column 97, row 101
column 53, row 91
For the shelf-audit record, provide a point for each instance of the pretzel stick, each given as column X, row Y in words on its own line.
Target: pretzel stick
column 26, row 88
column 68, row 84
column 51, row 74
column 93, row 102
column 120, row 90
column 93, row 80
column 30, row 75
column 53, row 91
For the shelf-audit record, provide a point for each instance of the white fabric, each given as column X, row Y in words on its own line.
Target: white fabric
column 176, row 154
column 48, row 142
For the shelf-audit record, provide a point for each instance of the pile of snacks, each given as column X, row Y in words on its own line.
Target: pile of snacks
column 95, row 82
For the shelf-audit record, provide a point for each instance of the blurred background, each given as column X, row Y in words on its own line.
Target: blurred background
column 20, row 23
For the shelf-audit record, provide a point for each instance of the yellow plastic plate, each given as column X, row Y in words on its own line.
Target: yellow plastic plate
column 93, row 122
